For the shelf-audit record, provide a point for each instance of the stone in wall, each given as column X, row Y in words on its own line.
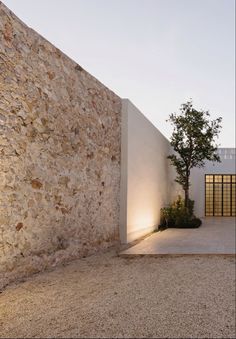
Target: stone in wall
column 60, row 155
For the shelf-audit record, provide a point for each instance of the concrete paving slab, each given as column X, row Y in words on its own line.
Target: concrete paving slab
column 214, row 236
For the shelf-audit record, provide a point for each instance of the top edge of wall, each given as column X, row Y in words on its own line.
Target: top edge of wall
column 127, row 102
column 14, row 17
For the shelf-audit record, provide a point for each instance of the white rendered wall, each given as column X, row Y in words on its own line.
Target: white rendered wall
column 146, row 177
column 197, row 189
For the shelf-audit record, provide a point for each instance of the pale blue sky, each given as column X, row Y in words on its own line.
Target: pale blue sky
column 157, row 53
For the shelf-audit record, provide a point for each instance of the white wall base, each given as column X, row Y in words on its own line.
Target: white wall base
column 140, row 233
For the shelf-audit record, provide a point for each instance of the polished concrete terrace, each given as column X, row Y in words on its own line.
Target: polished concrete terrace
column 215, row 236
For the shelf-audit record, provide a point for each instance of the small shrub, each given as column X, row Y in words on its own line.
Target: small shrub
column 196, row 222
column 166, row 216
column 178, row 216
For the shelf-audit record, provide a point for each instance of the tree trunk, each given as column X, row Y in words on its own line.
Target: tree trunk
column 186, row 192
column 186, row 197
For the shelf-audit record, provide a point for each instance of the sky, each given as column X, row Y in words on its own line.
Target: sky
column 157, row 53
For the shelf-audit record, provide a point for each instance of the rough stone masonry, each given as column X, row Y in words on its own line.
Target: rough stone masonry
column 60, row 155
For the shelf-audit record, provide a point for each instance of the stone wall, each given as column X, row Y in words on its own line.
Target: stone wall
column 60, row 155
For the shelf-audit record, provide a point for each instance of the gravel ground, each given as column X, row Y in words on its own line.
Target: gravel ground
column 106, row 296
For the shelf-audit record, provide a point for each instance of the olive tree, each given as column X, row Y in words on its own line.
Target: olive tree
column 193, row 140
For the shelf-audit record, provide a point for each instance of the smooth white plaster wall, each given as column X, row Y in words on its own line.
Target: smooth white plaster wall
column 197, row 180
column 147, row 179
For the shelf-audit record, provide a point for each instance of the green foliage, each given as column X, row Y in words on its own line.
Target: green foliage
column 166, row 218
column 193, row 140
column 195, row 223
column 178, row 215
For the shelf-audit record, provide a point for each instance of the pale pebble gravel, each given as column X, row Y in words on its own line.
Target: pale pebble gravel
column 105, row 296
